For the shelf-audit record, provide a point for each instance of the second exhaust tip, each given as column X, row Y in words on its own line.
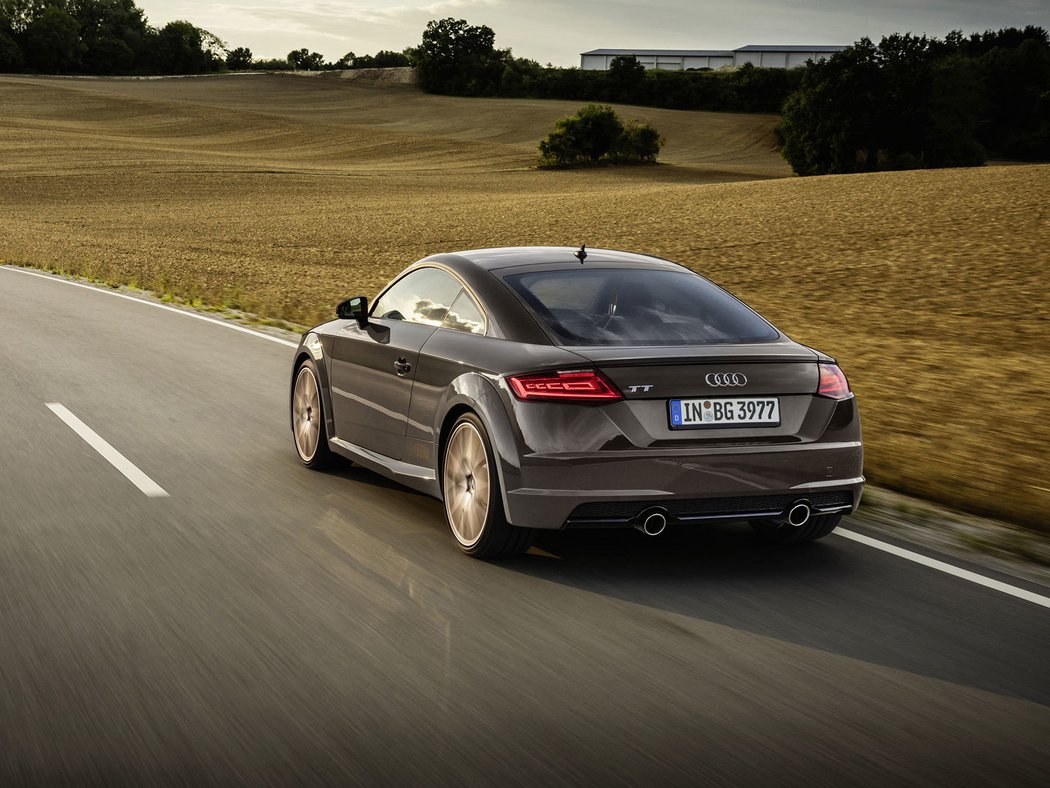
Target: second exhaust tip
column 798, row 515
column 653, row 523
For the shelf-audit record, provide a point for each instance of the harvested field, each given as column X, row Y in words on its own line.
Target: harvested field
column 281, row 196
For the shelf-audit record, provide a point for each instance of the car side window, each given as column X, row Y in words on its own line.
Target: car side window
column 465, row 315
column 423, row 296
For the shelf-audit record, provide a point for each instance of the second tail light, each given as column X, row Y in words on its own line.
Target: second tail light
column 570, row 386
column 833, row 383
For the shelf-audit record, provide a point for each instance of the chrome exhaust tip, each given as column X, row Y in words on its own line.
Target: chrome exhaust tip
column 799, row 514
column 652, row 522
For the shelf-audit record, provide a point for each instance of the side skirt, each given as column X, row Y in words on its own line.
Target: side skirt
column 417, row 477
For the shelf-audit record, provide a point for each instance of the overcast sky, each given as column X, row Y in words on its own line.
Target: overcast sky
column 557, row 31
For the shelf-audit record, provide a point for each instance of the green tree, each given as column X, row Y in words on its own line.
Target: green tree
column 625, row 76
column 386, row 58
column 830, row 123
column 596, row 133
column 53, row 42
column 457, row 58
column 951, row 124
column 298, row 56
column 16, row 15
column 306, row 60
column 596, row 130
column 108, row 55
column 271, row 64
column 639, row 142
column 114, row 34
column 1015, row 79
column 10, row 53
column 627, row 69
column 520, row 77
column 239, row 59
column 183, row 48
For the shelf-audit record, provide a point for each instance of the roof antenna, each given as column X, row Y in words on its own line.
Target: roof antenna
column 581, row 254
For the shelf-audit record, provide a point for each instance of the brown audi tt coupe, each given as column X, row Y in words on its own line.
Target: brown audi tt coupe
column 548, row 387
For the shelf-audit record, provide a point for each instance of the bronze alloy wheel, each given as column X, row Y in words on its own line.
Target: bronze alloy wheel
column 466, row 483
column 471, row 493
column 308, row 430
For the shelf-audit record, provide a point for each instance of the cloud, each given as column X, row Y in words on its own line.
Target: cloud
column 328, row 17
column 558, row 30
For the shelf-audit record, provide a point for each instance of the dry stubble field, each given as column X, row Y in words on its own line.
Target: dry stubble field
column 281, row 196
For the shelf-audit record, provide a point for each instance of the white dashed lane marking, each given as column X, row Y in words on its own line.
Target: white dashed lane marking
column 148, row 487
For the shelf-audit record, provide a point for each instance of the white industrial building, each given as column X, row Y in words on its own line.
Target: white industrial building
column 762, row 55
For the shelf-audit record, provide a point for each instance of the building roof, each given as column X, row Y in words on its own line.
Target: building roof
column 665, row 52
column 720, row 52
column 791, row 48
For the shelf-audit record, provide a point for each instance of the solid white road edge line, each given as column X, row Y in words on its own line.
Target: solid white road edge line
column 149, row 487
column 941, row 566
column 176, row 310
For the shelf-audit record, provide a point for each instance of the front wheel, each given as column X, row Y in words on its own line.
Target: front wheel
column 817, row 527
column 308, row 427
column 470, row 488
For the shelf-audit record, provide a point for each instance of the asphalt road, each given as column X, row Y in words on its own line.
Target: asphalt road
column 265, row 624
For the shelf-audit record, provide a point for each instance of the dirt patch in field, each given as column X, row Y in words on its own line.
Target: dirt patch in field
column 379, row 76
column 281, row 196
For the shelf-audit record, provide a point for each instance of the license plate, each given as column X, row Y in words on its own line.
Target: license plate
column 724, row 411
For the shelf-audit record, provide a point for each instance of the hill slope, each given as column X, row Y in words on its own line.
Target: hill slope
column 329, row 123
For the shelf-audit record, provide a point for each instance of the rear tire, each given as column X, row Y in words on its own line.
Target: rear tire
column 309, row 434
column 817, row 527
column 472, row 500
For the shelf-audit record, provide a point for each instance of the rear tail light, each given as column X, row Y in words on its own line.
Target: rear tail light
column 833, row 383
column 574, row 386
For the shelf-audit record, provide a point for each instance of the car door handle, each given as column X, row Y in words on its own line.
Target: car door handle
column 402, row 367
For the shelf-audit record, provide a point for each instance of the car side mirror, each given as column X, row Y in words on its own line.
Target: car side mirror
column 355, row 308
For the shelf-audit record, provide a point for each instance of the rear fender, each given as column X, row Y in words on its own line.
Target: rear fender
column 479, row 393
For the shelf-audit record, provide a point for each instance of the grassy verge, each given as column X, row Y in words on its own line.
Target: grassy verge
column 994, row 544
column 228, row 311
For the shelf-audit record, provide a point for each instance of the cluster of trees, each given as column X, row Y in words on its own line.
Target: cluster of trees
column 100, row 37
column 384, row 58
column 596, row 134
column 746, row 89
column 457, row 58
column 913, row 101
column 113, row 37
column 314, row 61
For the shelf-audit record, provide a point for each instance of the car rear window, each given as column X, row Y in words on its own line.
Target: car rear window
column 637, row 306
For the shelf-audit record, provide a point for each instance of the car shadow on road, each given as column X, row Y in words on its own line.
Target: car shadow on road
column 831, row 595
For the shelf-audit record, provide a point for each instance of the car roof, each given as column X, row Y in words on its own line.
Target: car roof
column 550, row 257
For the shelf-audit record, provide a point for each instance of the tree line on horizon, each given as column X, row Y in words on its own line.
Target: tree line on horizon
column 456, row 58
column 100, row 37
column 113, row 38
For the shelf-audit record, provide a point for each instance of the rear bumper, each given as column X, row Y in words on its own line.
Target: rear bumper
column 566, row 490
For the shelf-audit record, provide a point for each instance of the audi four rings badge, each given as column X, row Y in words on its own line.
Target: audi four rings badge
column 726, row 379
